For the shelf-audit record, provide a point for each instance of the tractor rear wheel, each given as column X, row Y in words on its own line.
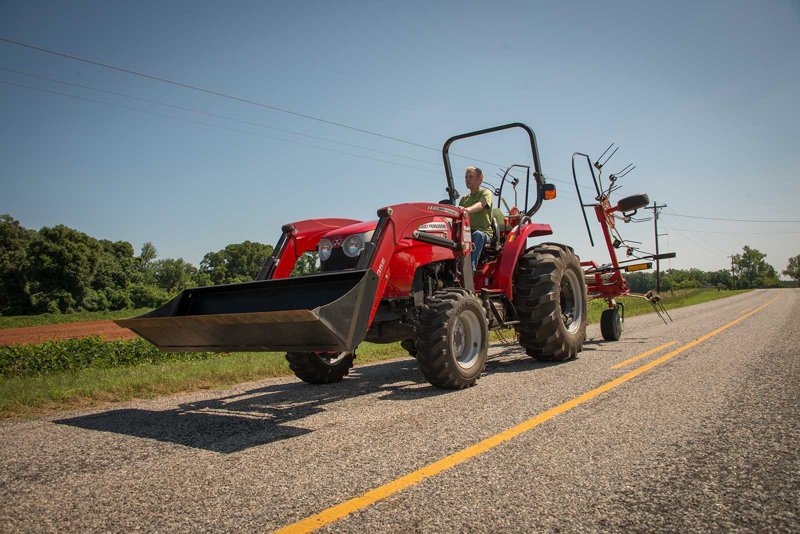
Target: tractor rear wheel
column 611, row 321
column 320, row 367
column 452, row 339
column 410, row 347
column 550, row 298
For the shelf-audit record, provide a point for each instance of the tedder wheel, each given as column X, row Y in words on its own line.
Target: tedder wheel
column 320, row 367
column 550, row 298
column 611, row 321
column 452, row 339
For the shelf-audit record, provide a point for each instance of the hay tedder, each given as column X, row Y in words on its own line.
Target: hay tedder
column 406, row 277
column 605, row 281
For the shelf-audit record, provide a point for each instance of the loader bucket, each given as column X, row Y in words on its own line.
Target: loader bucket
column 321, row 312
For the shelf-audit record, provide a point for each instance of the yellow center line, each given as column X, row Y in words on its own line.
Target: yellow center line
column 339, row 511
column 643, row 355
column 745, row 310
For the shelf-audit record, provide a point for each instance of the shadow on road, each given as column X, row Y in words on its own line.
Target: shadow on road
column 258, row 416
column 264, row 415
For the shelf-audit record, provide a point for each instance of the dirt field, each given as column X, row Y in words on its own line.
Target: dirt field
column 39, row 334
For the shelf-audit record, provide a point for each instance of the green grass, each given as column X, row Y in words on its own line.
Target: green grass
column 64, row 390
column 71, row 389
column 17, row 321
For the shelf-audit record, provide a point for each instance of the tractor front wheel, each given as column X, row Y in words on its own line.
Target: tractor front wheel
column 452, row 339
column 320, row 367
column 550, row 298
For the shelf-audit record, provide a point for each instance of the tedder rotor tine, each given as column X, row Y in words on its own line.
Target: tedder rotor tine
column 666, row 312
column 626, row 170
column 658, row 312
column 609, row 157
column 597, row 163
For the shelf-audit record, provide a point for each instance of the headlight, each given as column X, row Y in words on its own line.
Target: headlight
column 325, row 248
column 353, row 245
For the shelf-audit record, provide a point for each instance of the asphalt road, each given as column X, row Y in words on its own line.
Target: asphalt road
column 706, row 438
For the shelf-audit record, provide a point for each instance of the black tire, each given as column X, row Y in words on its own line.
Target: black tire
column 633, row 202
column 550, row 298
column 320, row 368
column 611, row 324
column 410, row 346
column 452, row 339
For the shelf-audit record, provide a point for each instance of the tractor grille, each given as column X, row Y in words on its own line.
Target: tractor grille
column 338, row 261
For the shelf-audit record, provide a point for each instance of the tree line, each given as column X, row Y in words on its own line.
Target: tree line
column 749, row 270
column 61, row 270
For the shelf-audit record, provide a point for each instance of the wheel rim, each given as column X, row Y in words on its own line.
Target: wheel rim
column 331, row 358
column 466, row 339
column 571, row 301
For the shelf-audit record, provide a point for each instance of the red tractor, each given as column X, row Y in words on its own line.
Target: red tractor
column 405, row 277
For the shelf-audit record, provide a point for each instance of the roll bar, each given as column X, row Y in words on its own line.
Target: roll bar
column 537, row 166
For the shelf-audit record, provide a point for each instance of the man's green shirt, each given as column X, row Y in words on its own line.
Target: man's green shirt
column 482, row 219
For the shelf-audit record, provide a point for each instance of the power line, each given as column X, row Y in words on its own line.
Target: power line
column 215, row 115
column 246, row 101
column 742, row 233
column 216, row 126
column 718, row 253
column 688, row 228
column 215, row 93
column 723, row 219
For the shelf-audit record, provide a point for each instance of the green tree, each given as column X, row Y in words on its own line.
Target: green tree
column 306, row 264
column 14, row 240
column 641, row 282
column 723, row 276
column 792, row 270
column 69, row 270
column 753, row 271
column 145, row 263
column 683, row 278
column 174, row 275
column 62, row 265
column 238, row 262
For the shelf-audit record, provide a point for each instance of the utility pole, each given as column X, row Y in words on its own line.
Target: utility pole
column 733, row 270
column 656, row 207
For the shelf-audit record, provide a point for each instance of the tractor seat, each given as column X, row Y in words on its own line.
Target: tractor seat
column 498, row 225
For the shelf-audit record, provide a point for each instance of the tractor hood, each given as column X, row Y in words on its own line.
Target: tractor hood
column 346, row 231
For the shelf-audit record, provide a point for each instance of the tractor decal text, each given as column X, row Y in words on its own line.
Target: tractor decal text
column 444, row 210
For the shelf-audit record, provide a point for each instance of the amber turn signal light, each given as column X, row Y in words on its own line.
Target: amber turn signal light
column 549, row 191
column 638, row 267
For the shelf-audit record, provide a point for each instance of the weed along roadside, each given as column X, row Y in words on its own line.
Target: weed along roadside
column 68, row 374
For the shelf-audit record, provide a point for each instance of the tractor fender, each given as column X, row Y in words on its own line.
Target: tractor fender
column 515, row 245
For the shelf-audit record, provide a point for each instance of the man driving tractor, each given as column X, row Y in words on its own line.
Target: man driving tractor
column 479, row 205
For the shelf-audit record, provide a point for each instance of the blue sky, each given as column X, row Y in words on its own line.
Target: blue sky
column 702, row 97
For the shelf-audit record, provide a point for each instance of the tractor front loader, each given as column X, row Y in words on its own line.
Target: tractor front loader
column 405, row 277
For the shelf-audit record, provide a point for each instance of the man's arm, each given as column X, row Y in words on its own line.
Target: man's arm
column 478, row 206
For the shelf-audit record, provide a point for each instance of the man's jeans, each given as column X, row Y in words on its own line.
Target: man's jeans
column 479, row 239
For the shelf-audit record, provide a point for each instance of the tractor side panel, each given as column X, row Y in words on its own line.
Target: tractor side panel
column 397, row 240
column 405, row 263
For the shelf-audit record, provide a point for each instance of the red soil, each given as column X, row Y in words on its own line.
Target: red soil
column 39, row 334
